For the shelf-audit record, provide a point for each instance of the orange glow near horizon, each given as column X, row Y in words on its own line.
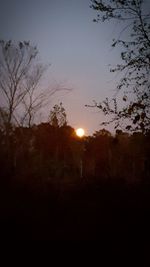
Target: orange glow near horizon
column 80, row 132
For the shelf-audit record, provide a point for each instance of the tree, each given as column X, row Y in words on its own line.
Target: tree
column 57, row 117
column 21, row 95
column 102, row 132
column 135, row 66
column 16, row 61
column 20, row 76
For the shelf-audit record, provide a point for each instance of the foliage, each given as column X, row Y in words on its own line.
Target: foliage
column 57, row 117
column 135, row 66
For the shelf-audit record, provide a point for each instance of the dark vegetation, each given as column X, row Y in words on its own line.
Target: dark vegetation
column 55, row 186
column 133, row 68
column 44, row 197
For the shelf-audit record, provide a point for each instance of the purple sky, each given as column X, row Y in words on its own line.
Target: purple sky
column 78, row 50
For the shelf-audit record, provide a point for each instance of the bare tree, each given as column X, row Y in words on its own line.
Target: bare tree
column 20, row 77
column 16, row 61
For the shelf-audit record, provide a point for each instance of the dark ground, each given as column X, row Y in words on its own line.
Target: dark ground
column 101, row 211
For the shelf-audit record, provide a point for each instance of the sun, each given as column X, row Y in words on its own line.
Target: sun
column 80, row 132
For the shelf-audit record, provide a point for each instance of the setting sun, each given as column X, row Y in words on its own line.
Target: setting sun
column 80, row 132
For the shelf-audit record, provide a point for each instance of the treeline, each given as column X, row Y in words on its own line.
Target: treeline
column 122, row 157
column 47, row 153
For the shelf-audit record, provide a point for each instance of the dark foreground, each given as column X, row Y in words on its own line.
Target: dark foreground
column 99, row 211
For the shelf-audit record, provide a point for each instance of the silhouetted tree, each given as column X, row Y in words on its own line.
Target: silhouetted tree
column 21, row 92
column 16, row 64
column 135, row 56
column 57, row 117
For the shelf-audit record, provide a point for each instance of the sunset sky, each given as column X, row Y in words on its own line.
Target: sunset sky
column 78, row 50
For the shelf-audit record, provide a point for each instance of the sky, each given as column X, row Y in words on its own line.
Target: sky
column 78, row 50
